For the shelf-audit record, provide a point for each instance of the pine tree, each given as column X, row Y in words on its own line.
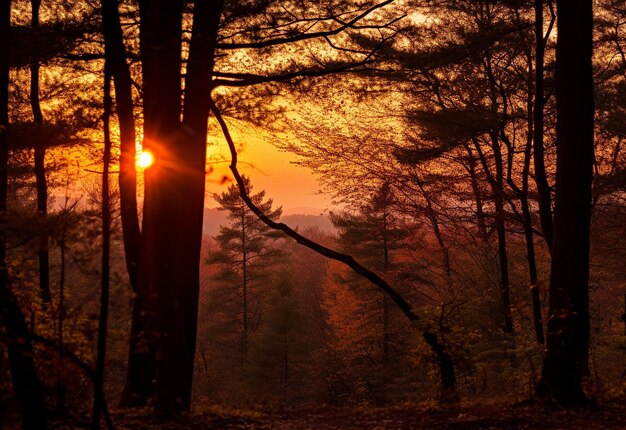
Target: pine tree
column 244, row 252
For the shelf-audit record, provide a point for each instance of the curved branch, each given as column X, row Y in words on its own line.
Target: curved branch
column 327, row 252
column 448, row 376
column 320, row 249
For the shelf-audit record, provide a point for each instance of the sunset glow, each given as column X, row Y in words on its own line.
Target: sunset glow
column 145, row 159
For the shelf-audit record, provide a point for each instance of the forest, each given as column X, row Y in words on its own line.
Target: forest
column 458, row 262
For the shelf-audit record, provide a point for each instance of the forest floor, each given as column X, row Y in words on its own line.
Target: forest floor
column 609, row 415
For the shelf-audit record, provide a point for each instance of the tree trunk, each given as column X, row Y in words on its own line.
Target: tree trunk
column 446, row 367
column 526, row 214
column 244, row 288
column 543, row 188
column 497, row 186
column 115, row 53
column 566, row 360
column 160, row 34
column 26, row 383
column 98, row 383
column 61, row 388
column 39, row 161
column 624, row 314
column 140, row 372
column 168, row 285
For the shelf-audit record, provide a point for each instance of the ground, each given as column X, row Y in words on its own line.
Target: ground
column 610, row 415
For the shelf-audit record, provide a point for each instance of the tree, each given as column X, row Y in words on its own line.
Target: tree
column 244, row 253
column 105, row 273
column 139, row 377
column 40, row 155
column 567, row 356
column 26, row 383
column 174, row 193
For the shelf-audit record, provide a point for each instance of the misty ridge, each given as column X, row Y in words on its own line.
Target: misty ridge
column 300, row 218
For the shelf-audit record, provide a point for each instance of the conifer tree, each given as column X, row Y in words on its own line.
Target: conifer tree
column 244, row 252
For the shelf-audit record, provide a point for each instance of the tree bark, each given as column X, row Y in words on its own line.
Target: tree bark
column 566, row 360
column 26, row 383
column 160, row 46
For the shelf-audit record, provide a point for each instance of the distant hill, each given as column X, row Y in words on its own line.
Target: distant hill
column 213, row 218
column 307, row 221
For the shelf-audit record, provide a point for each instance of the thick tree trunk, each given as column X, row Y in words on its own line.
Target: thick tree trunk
column 160, row 34
column 206, row 21
column 39, row 161
column 568, row 327
column 28, row 388
column 168, row 285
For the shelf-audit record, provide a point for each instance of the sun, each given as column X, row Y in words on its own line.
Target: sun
column 145, row 159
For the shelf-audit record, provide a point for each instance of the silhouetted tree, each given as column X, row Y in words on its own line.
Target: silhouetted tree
column 568, row 328
column 26, row 383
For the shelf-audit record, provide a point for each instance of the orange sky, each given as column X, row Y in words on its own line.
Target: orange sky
column 292, row 187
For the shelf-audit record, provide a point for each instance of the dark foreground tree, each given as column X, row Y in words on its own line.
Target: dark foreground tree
column 139, row 377
column 568, row 328
column 168, row 282
column 28, row 388
column 39, row 159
